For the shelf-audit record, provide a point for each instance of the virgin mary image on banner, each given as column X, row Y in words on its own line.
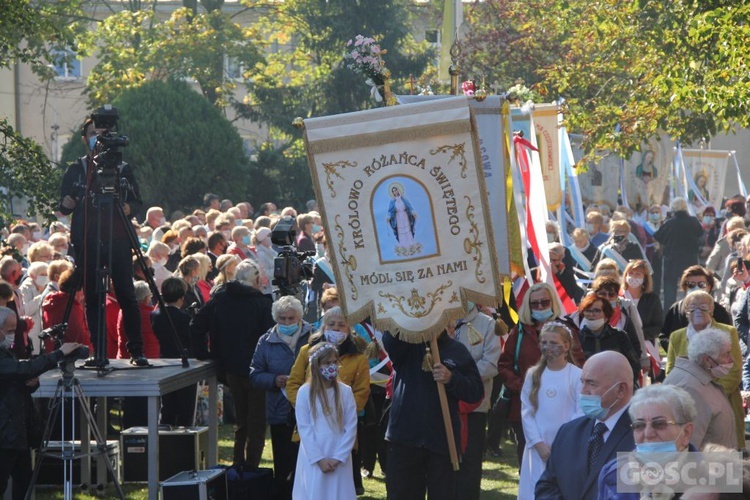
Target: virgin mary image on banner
column 405, row 227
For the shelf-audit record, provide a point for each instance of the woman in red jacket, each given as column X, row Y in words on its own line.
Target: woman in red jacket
column 53, row 310
column 539, row 306
column 150, row 342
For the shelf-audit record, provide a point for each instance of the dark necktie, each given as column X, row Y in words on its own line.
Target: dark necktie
column 596, row 443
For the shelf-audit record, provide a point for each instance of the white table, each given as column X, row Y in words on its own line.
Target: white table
column 165, row 376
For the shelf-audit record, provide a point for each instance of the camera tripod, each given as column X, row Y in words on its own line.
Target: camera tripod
column 69, row 391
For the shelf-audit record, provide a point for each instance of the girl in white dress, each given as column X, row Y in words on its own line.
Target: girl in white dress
column 549, row 399
column 327, row 426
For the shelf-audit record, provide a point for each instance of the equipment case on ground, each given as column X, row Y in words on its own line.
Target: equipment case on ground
column 196, row 485
column 180, row 449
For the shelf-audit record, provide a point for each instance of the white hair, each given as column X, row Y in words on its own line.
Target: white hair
column 286, row 303
column 248, row 273
column 708, row 342
column 141, row 290
column 679, row 204
column 676, row 398
column 37, row 267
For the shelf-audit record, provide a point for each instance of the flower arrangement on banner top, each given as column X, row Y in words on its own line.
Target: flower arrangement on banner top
column 365, row 57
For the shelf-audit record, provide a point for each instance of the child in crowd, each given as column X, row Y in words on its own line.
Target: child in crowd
column 327, row 425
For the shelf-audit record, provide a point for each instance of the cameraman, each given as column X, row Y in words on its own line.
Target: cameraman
column 18, row 379
column 79, row 182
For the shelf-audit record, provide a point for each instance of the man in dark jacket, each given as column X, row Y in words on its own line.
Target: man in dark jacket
column 18, row 379
column 679, row 237
column 234, row 320
column 418, row 458
column 77, row 198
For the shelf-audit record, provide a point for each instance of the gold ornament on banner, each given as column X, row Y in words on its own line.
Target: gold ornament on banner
column 348, row 261
column 330, row 169
column 459, row 151
column 417, row 304
column 474, row 245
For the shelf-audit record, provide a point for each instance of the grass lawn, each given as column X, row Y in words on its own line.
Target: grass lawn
column 500, row 479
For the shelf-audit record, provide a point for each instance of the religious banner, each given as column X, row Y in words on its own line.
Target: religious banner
column 488, row 116
column 547, row 140
column 647, row 176
column 600, row 182
column 404, row 203
column 708, row 171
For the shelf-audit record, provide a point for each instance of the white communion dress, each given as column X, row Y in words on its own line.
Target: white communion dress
column 318, row 440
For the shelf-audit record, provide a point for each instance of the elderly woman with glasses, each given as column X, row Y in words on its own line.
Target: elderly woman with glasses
column 592, row 320
column 694, row 278
column 540, row 305
column 699, row 308
column 663, row 421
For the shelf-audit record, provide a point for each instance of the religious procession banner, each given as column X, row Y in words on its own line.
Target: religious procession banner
column 545, row 125
column 647, row 175
column 707, row 170
column 488, row 116
column 600, row 181
column 404, row 203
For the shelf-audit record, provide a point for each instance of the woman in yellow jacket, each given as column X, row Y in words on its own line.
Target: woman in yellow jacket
column 699, row 308
column 354, row 369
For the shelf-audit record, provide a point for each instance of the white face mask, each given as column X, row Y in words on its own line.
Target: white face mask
column 594, row 324
column 335, row 337
column 7, row 341
column 25, row 249
column 41, row 281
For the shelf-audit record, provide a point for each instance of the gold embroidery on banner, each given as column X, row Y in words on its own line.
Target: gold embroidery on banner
column 417, row 303
column 330, row 169
column 472, row 244
column 348, row 261
column 454, row 298
column 459, row 151
column 381, row 309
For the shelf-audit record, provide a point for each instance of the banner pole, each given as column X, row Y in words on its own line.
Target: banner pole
column 444, row 407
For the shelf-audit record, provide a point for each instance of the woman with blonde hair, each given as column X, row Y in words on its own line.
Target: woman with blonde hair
column 226, row 265
column 549, row 398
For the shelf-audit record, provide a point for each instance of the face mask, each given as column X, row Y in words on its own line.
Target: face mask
column 666, row 450
column 194, row 280
column 654, row 217
column 316, row 228
column 551, row 352
column 540, row 315
column 25, row 249
column 698, row 317
column 238, row 222
column 708, row 220
column 92, row 142
column 720, row 371
column 287, row 330
column 227, row 234
column 7, row 341
column 335, row 337
column 162, row 221
column 63, row 252
column 589, row 227
column 330, row 372
column 41, row 281
column 618, row 238
column 591, row 405
column 594, row 324
column 634, row 282
column 246, row 240
column 550, row 238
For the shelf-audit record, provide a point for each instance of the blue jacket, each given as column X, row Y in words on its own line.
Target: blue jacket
column 274, row 357
column 415, row 417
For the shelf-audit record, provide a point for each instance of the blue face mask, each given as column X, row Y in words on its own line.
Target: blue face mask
column 287, row 330
column 246, row 240
column 541, row 315
column 591, row 405
column 92, row 142
column 316, row 228
column 660, row 452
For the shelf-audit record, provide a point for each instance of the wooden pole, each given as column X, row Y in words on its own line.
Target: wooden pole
column 444, row 407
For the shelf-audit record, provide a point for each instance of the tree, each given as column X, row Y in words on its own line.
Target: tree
column 135, row 46
column 29, row 33
column 181, row 146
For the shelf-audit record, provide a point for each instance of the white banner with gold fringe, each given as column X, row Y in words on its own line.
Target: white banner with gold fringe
column 405, row 209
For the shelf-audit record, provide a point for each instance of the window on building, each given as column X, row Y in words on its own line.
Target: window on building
column 67, row 65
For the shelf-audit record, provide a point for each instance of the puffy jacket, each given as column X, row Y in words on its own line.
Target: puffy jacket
column 354, row 371
column 233, row 320
column 274, row 357
column 16, row 406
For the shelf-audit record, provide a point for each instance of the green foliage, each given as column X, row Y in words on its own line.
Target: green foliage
column 181, row 146
column 133, row 47
column 280, row 175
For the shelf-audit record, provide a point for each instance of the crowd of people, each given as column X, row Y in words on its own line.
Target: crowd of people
column 572, row 387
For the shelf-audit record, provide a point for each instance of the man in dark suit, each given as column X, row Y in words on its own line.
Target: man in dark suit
column 582, row 446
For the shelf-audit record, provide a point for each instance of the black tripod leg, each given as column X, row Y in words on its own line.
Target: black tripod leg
column 54, row 411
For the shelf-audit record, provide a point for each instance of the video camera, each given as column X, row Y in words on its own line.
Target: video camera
column 290, row 267
column 107, row 156
column 57, row 334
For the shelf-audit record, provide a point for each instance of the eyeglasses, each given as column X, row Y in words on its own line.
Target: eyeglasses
column 703, row 307
column 536, row 304
column 658, row 424
column 698, row 284
column 605, row 293
column 592, row 311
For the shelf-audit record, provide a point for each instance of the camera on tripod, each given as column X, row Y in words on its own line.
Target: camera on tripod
column 290, row 267
column 57, row 334
column 107, row 155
